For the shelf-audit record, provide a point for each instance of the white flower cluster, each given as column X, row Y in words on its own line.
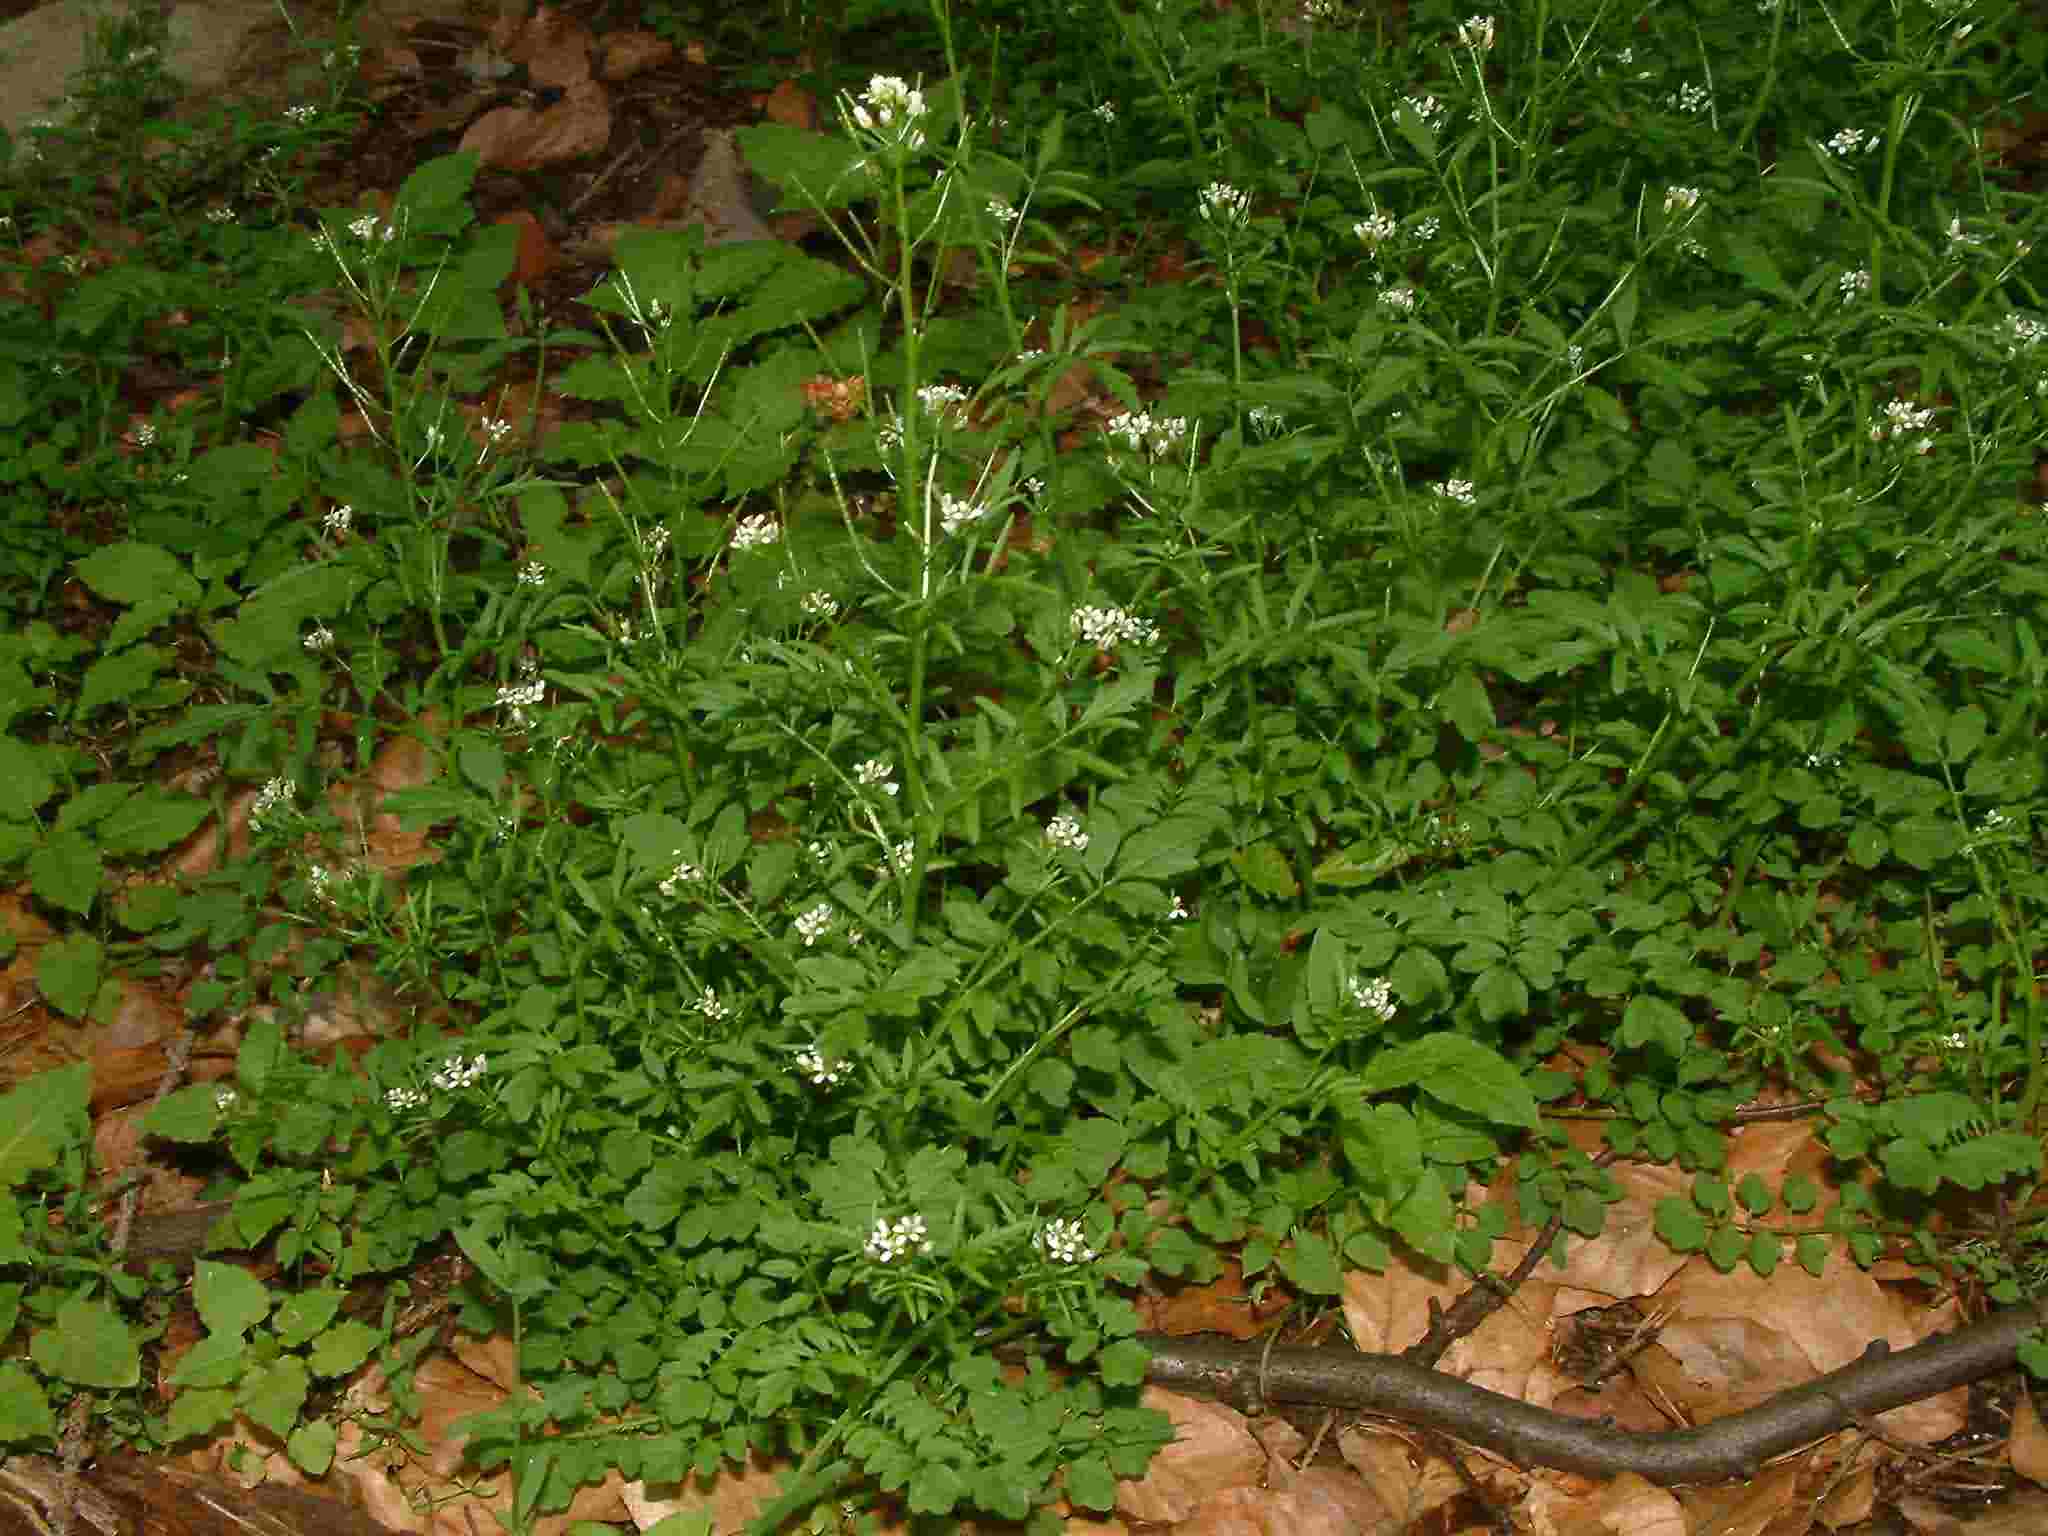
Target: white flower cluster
column 1063, row 1242
column 1681, row 199
column 821, row 1069
column 1144, row 433
column 320, row 638
column 875, row 774
column 819, row 605
column 1401, row 299
column 756, row 532
column 1900, row 417
column 956, row 513
column 225, row 1099
column 2022, row 333
column 1265, row 422
column 684, row 873
column 278, row 792
column 1064, row 831
column 518, row 698
column 947, row 402
column 1853, row 285
column 1689, row 98
column 902, row 857
column 533, row 574
column 1223, row 204
column 1476, row 33
column 1851, row 141
column 712, row 1007
column 811, row 926
column 1376, row 230
column 458, row 1072
column 402, row 1099
column 338, row 521
column 1107, row 628
column 1460, row 491
column 1376, row 997
column 891, row 1240
column 1427, row 108
column 889, row 110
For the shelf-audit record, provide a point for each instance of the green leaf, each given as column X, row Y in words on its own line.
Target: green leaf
column 24, row 782
column 1501, row 994
column 189, row 1114
column 1457, row 1071
column 134, row 573
column 1423, row 1219
column 149, row 822
column 1800, row 1194
column 89, row 1345
column 41, row 1119
column 1680, row 1225
column 199, row 1411
column 65, row 871
column 1311, row 1263
column 68, row 971
column 1754, row 1194
column 1090, row 1483
column 1726, row 1248
column 343, row 1347
column 304, row 1314
column 1813, row 1255
column 25, row 1414
column 1465, row 701
column 1763, row 1252
column 273, row 1395
column 1266, row 870
column 218, row 1360
column 1710, row 1194
column 1651, row 1021
column 311, row 1447
column 230, row 1299
column 1123, row 1363
column 935, row 1488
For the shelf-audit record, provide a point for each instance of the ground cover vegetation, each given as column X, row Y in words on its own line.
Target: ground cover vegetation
column 1274, row 611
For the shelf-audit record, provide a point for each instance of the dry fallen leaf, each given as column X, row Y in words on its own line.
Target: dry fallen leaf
column 1213, row 1449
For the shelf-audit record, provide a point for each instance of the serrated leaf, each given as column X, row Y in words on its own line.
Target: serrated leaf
column 1457, row 1071
column 1311, row 1263
column 343, row 1347
column 230, row 1299
column 40, row 1119
column 25, row 1413
column 68, row 971
column 189, row 1114
column 89, row 1345
column 199, row 1411
column 273, row 1395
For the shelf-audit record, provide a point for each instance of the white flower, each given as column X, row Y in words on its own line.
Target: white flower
column 1476, row 33
column 710, row 1006
column 273, row 794
column 1372, row 231
column 458, row 1072
column 684, row 873
column 1960, row 239
column 404, row 1098
column 811, row 926
column 1426, row 108
column 756, row 532
column 1689, row 98
column 1425, row 230
column 2021, row 333
column 1178, row 912
column 1106, row 112
column 321, row 639
column 1821, row 760
column 1574, row 355
column 819, row 850
column 1063, row 1242
column 1221, row 203
column 1064, row 831
column 889, row 110
column 1145, row 433
column 891, row 1240
column 948, row 402
column 819, row 605
column 1104, row 629
column 338, row 521
column 1681, row 198
column 1001, row 211
column 533, row 574
column 1460, row 491
column 1901, row 417
column 1034, row 487
column 1848, row 141
column 955, row 513
column 1376, row 997
column 875, row 772
column 820, row 1069
column 302, row 114
column 518, row 698
column 1401, row 299
column 1993, row 820
column 220, row 213
column 1265, row 421
column 224, row 1099
column 1854, row 285
column 901, row 858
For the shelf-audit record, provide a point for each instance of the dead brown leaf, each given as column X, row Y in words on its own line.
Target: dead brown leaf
column 1213, row 1449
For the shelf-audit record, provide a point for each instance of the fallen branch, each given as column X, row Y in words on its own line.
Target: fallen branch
column 1249, row 1376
